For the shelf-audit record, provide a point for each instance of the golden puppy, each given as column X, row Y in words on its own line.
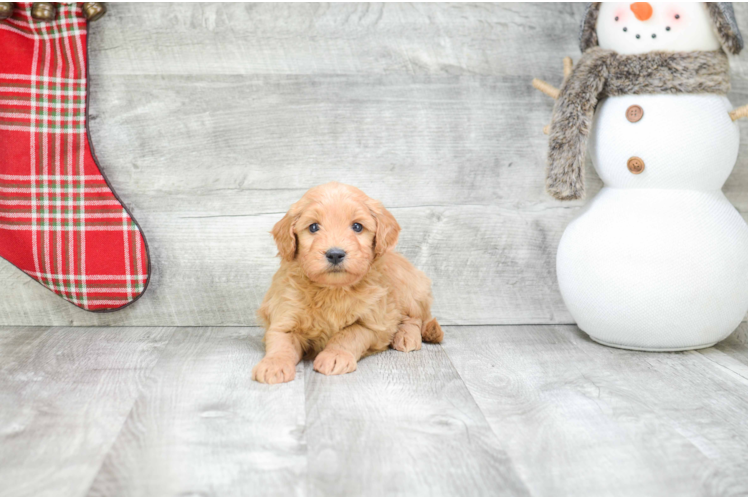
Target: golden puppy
column 341, row 292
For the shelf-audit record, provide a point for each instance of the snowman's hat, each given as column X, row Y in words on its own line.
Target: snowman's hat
column 721, row 13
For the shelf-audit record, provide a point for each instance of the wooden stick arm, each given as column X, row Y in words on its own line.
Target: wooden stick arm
column 545, row 88
column 568, row 66
column 550, row 90
column 738, row 113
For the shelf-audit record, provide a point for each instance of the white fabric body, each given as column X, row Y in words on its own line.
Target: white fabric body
column 659, row 260
column 691, row 30
column 687, row 141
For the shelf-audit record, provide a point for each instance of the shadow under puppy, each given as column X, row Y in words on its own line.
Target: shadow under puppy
column 341, row 292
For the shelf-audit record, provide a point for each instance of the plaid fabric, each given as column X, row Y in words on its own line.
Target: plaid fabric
column 60, row 223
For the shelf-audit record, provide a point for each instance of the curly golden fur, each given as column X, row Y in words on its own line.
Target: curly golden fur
column 372, row 299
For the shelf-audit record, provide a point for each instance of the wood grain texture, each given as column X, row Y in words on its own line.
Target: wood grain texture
column 578, row 418
column 334, row 39
column 64, row 396
column 732, row 351
column 494, row 410
column 211, row 119
column 212, row 255
column 203, row 427
column 402, row 424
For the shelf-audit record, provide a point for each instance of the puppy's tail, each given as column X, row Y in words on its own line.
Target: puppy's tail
column 432, row 332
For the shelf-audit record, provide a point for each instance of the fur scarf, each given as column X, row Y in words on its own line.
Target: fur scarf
column 602, row 73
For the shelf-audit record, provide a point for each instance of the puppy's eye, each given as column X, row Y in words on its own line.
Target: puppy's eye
column 357, row 227
column 314, row 228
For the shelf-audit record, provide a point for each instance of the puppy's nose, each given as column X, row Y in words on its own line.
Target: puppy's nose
column 335, row 256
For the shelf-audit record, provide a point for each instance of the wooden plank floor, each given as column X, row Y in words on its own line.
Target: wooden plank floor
column 494, row 410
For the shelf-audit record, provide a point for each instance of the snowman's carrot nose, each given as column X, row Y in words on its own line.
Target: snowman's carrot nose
column 642, row 10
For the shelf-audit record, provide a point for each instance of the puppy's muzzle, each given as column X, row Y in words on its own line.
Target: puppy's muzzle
column 335, row 256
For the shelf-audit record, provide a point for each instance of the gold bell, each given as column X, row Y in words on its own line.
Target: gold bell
column 43, row 11
column 94, row 10
column 6, row 10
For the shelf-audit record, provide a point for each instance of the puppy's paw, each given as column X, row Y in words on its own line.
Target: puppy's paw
column 432, row 332
column 335, row 362
column 406, row 340
column 274, row 371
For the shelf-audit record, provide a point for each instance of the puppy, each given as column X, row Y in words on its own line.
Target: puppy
column 341, row 292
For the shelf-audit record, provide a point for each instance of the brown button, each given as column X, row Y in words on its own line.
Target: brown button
column 634, row 113
column 636, row 165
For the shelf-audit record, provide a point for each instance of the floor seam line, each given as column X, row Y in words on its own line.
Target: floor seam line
column 485, row 419
column 129, row 412
column 710, row 360
column 261, row 327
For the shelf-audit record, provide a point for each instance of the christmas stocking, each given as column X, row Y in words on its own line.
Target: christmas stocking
column 60, row 222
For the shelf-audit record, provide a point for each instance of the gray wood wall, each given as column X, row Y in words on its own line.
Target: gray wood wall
column 211, row 119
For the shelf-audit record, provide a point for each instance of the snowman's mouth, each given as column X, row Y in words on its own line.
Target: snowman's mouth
column 638, row 35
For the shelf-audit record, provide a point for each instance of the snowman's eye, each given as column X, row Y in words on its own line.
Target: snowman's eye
column 677, row 16
column 616, row 18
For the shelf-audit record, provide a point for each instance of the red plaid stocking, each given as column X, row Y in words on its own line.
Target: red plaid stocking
column 60, row 222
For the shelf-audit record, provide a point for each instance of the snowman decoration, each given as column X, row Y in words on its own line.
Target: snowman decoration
column 658, row 260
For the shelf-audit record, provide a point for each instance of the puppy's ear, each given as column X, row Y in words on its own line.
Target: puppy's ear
column 387, row 227
column 284, row 235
